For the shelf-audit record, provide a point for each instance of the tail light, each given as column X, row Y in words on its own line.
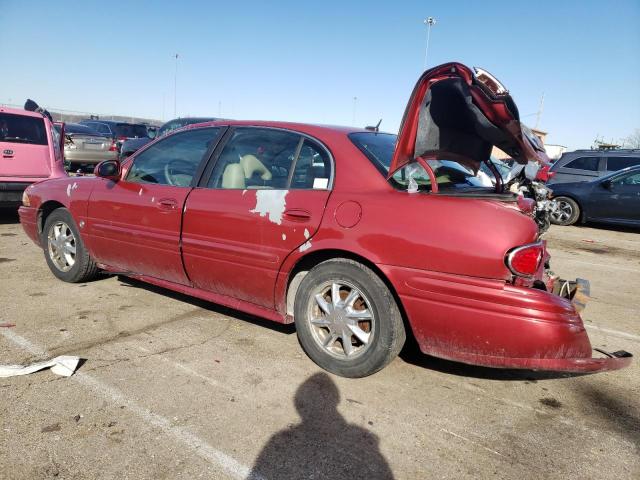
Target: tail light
column 113, row 147
column 122, row 138
column 524, row 261
column 545, row 174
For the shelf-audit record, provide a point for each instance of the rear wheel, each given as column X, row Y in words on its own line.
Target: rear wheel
column 63, row 249
column 567, row 211
column 347, row 320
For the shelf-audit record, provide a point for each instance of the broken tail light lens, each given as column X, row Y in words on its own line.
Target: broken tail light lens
column 524, row 261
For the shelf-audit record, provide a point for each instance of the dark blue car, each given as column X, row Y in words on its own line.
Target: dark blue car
column 613, row 199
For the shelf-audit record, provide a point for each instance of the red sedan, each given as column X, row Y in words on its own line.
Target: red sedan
column 360, row 238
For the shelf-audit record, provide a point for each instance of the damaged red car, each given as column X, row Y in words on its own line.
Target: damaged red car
column 359, row 237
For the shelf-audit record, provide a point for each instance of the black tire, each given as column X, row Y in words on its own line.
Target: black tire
column 385, row 335
column 83, row 267
column 567, row 211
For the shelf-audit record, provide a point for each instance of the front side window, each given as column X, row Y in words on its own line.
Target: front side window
column 22, row 129
column 173, row 160
column 631, row 179
column 261, row 158
column 584, row 163
column 618, row 163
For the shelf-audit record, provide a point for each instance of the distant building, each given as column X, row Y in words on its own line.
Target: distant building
column 553, row 151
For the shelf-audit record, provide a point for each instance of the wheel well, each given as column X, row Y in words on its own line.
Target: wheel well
column 312, row 259
column 45, row 210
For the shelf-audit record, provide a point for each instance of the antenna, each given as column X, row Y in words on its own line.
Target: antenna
column 372, row 128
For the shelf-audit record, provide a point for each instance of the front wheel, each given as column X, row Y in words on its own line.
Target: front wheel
column 347, row 320
column 567, row 211
column 63, row 249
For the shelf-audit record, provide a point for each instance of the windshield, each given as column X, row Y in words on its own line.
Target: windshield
column 379, row 147
column 22, row 129
column 131, row 130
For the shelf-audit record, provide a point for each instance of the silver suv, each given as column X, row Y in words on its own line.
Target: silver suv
column 585, row 165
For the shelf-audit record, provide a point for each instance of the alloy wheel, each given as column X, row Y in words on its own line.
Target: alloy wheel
column 342, row 322
column 563, row 211
column 61, row 244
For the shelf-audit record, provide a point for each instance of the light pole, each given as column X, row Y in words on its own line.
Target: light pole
column 429, row 22
column 353, row 122
column 175, row 88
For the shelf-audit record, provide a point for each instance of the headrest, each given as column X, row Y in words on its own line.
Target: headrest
column 251, row 166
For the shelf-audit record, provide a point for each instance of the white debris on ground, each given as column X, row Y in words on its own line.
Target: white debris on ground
column 64, row 365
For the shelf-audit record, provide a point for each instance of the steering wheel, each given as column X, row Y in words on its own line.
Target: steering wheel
column 178, row 172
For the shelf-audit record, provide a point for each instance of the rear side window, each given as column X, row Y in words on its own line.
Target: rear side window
column 173, row 160
column 22, row 129
column 584, row 163
column 618, row 163
column 260, row 158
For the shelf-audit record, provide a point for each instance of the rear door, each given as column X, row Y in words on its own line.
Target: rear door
column 134, row 224
column 24, row 147
column 262, row 198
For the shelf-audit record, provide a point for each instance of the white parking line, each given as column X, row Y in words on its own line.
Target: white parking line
column 616, row 333
column 230, row 465
column 602, row 265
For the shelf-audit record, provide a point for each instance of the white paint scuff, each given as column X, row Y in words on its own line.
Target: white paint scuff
column 271, row 203
column 306, row 245
column 71, row 187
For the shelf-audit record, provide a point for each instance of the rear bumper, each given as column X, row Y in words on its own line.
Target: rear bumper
column 29, row 222
column 11, row 192
column 495, row 324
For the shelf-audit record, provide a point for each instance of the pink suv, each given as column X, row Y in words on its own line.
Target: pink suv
column 31, row 151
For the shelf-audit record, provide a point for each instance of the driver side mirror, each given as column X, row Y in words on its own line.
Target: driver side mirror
column 109, row 169
column 606, row 184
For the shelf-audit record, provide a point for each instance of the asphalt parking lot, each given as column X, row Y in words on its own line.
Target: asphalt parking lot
column 173, row 387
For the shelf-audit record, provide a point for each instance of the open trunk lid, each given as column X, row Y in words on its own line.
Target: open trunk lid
column 456, row 113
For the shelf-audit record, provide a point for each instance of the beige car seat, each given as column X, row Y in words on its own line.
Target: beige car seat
column 252, row 166
column 233, row 176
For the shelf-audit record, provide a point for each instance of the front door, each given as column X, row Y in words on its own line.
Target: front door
column 264, row 198
column 134, row 224
column 617, row 199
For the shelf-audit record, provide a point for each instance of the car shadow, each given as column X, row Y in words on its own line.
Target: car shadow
column 9, row 216
column 411, row 354
column 323, row 445
column 287, row 328
column 622, row 416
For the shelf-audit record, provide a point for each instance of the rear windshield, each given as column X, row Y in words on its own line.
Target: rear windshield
column 131, row 131
column 450, row 175
column 81, row 129
column 22, row 129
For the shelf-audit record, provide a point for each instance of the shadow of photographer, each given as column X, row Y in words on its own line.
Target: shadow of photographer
column 323, row 445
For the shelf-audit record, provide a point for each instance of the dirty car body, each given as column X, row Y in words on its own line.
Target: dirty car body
column 331, row 227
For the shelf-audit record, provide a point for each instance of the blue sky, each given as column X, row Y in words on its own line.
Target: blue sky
column 305, row 61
